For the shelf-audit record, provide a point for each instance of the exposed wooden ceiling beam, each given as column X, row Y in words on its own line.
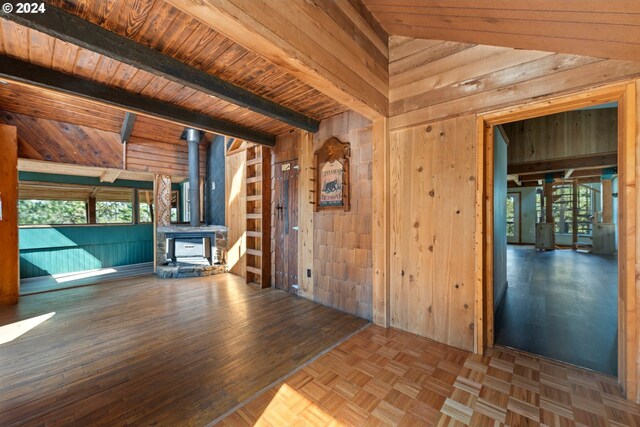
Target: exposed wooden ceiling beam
column 601, row 160
column 110, row 175
column 515, row 179
column 308, row 42
column 127, row 127
column 72, row 29
column 27, row 73
column 577, row 174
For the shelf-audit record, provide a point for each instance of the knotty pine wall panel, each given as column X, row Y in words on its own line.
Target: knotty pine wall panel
column 236, row 211
column 432, row 230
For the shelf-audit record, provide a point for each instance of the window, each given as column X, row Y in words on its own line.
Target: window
column 38, row 212
column 145, row 206
column 42, row 203
column 586, row 208
column 113, row 205
column 539, row 202
column 511, row 227
column 563, row 208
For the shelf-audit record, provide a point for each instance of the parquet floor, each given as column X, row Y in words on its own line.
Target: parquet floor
column 146, row 351
column 388, row 377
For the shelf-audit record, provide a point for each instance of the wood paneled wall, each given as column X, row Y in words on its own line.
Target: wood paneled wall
column 236, row 211
column 342, row 251
column 334, row 244
column 50, row 140
column 433, row 85
column 569, row 134
column 432, row 80
column 155, row 146
column 432, row 227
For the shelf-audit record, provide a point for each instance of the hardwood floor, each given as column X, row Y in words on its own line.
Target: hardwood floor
column 35, row 285
column 147, row 351
column 382, row 377
column 561, row 304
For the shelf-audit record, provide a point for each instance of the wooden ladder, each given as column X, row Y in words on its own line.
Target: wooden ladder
column 258, row 216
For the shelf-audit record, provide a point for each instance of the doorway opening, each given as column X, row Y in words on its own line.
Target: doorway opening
column 489, row 288
column 555, row 281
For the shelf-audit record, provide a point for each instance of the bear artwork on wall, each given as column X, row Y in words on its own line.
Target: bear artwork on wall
column 332, row 175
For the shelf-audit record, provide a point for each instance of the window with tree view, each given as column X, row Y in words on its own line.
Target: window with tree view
column 563, row 200
column 145, row 206
column 62, row 204
column 511, row 228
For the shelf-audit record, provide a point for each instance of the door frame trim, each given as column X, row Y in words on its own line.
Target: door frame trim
column 625, row 95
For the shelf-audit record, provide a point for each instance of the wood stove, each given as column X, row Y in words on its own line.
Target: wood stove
column 196, row 244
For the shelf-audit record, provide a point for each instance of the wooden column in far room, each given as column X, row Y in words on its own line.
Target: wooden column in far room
column 548, row 202
column 10, row 259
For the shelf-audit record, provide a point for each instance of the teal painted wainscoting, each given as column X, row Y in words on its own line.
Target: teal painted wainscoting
column 66, row 249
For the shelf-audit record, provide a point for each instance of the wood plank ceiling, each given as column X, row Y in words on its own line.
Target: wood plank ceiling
column 53, row 127
column 160, row 26
column 598, row 28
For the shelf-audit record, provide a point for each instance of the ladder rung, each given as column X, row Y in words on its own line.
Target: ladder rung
column 254, row 233
column 254, row 198
column 254, row 252
column 254, row 179
column 255, row 161
column 254, row 270
column 254, row 216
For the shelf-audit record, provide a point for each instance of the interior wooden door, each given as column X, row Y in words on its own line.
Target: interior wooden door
column 286, row 225
column 9, row 261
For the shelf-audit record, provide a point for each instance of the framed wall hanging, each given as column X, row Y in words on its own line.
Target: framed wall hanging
column 332, row 175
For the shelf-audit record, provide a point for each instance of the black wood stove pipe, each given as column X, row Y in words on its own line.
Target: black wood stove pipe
column 193, row 138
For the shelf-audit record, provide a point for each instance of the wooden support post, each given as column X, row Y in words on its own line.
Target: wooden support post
column 305, row 214
column 91, row 210
column 162, row 214
column 548, row 202
column 380, row 226
column 607, row 201
column 10, row 259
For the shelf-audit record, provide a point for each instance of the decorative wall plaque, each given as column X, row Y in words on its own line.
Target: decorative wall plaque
column 332, row 175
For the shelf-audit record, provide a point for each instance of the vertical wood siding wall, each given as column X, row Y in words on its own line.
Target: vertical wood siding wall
column 236, row 212
column 441, row 86
column 340, row 257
